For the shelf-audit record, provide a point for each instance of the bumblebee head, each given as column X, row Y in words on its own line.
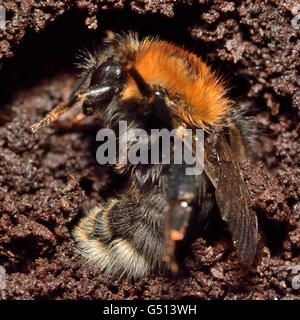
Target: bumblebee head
column 148, row 77
column 106, row 82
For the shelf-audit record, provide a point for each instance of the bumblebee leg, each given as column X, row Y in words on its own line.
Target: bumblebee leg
column 125, row 238
column 79, row 117
column 181, row 192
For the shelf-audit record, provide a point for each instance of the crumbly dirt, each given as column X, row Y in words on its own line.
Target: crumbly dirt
column 48, row 180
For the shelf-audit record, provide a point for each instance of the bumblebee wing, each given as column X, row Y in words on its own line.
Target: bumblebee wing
column 233, row 199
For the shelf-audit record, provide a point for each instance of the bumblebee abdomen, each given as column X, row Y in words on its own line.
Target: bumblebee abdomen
column 124, row 238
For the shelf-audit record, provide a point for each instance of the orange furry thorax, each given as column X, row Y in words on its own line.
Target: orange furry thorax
column 201, row 94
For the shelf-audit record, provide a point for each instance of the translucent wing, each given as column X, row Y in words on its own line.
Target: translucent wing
column 233, row 199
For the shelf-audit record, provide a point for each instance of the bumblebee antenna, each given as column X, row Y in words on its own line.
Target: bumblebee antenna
column 78, row 85
column 56, row 113
column 62, row 107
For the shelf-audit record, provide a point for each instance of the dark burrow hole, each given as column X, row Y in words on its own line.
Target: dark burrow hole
column 212, row 229
column 272, row 233
column 30, row 248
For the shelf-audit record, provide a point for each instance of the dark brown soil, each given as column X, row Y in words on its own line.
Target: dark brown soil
column 48, row 180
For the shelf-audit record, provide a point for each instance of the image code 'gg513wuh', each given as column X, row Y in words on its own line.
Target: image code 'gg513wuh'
column 153, row 84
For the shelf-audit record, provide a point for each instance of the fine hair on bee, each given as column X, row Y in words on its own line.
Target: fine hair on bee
column 153, row 84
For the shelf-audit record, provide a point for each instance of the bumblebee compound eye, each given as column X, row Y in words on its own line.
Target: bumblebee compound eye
column 109, row 72
column 107, row 80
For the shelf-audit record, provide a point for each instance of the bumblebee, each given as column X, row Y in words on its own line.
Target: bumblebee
column 153, row 84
